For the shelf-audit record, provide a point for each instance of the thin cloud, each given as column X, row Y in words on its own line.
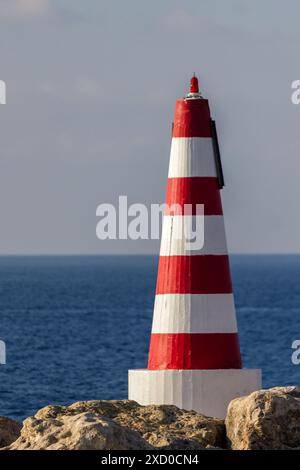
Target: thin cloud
column 22, row 9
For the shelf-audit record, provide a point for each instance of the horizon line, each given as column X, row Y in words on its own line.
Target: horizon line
column 3, row 255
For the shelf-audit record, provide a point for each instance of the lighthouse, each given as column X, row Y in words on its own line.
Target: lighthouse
column 194, row 357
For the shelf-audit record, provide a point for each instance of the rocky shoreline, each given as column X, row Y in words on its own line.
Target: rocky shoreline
column 267, row 419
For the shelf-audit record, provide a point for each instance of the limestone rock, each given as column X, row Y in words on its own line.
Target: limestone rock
column 267, row 419
column 83, row 431
column 119, row 425
column 9, row 431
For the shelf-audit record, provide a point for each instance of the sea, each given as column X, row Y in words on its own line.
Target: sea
column 74, row 325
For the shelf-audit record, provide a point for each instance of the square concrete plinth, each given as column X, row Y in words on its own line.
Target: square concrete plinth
column 205, row 391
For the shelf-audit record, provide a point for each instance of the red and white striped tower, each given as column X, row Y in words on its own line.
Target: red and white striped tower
column 194, row 358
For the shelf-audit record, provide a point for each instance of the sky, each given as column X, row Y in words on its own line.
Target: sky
column 91, row 88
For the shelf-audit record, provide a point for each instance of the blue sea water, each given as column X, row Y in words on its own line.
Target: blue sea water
column 73, row 326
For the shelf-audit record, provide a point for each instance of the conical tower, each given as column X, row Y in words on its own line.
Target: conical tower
column 194, row 357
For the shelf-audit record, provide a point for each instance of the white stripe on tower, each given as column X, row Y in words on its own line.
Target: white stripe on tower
column 194, row 313
column 192, row 156
column 178, row 233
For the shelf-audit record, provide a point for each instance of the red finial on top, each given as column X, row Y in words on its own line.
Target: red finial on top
column 194, row 87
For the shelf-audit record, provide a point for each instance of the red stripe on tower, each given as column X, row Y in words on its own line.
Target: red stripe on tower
column 192, row 119
column 199, row 274
column 194, row 351
column 193, row 191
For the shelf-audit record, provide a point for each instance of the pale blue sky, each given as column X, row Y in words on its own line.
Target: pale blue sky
column 91, row 91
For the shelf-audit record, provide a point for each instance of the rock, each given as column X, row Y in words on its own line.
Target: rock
column 83, row 431
column 267, row 419
column 9, row 431
column 119, row 425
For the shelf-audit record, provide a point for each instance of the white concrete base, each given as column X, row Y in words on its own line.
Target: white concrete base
column 205, row 391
